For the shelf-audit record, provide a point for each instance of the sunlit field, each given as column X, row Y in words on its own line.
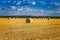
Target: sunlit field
column 38, row 29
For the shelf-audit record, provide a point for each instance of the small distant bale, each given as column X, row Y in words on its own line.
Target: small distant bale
column 8, row 18
column 28, row 20
column 48, row 19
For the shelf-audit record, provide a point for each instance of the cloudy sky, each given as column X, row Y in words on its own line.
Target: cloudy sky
column 30, row 7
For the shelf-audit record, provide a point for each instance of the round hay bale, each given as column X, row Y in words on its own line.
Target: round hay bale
column 28, row 20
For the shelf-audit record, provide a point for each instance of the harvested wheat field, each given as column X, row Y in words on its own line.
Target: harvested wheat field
column 38, row 29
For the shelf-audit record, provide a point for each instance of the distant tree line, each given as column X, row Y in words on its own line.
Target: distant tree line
column 30, row 17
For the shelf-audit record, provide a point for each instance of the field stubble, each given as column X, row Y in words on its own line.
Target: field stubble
column 38, row 29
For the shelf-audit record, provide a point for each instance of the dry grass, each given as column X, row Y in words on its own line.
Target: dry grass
column 38, row 29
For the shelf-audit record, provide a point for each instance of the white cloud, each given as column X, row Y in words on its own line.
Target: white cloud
column 50, row 11
column 55, row 3
column 28, row 2
column 13, row 7
column 19, row 9
column 33, row 3
column 28, row 11
column 19, row 2
column 24, row 9
column 42, row 2
column 42, row 11
column 58, row 10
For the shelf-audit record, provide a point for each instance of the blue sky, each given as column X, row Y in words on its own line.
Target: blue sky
column 30, row 7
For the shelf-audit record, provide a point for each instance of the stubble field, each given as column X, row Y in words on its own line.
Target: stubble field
column 38, row 29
